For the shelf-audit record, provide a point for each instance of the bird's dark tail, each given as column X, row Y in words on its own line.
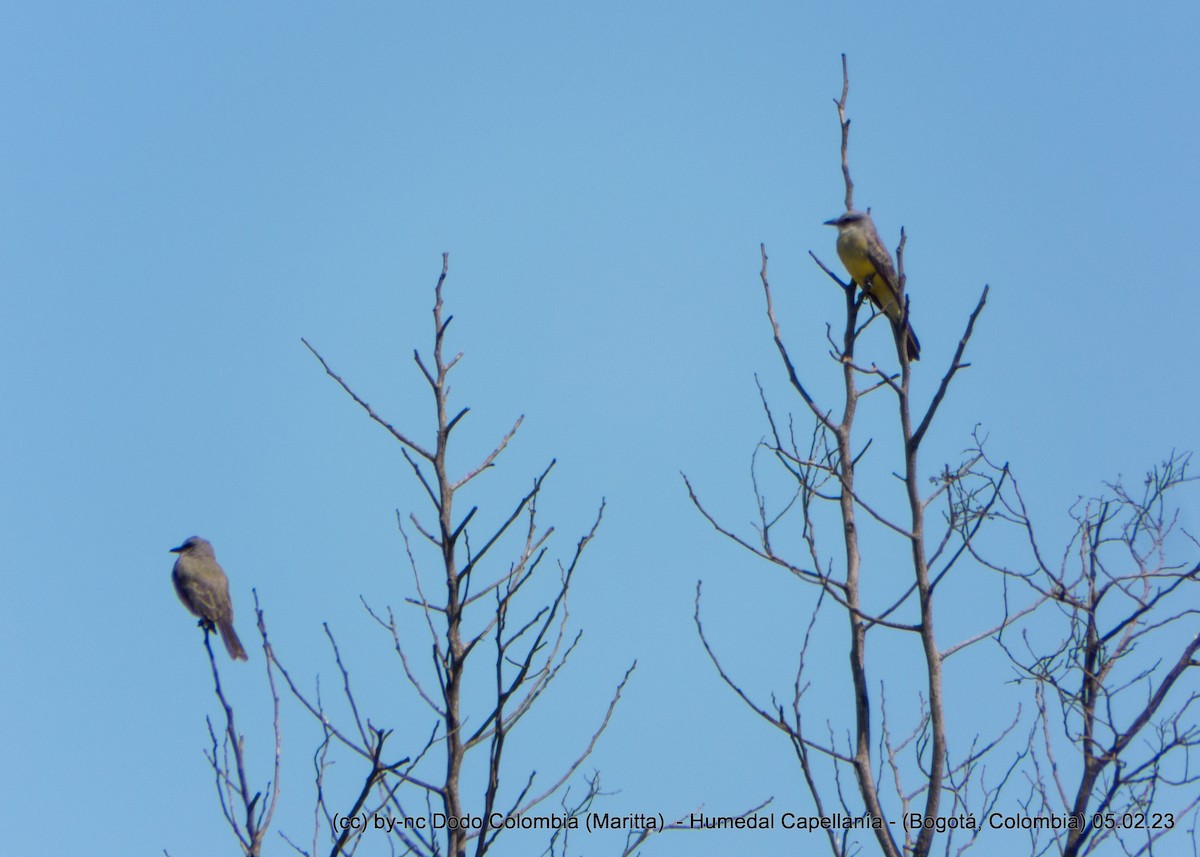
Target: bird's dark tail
column 912, row 345
column 232, row 644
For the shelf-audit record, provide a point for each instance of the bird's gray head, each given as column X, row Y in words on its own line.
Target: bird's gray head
column 847, row 219
column 194, row 545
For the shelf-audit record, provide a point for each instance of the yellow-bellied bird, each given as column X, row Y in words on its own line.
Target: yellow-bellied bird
column 870, row 265
column 202, row 586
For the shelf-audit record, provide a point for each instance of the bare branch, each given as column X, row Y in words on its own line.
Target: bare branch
column 415, row 447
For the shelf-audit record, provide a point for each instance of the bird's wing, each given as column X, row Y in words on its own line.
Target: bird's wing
column 885, row 290
column 204, row 593
column 213, row 596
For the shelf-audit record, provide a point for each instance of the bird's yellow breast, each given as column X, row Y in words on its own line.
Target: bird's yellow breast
column 852, row 250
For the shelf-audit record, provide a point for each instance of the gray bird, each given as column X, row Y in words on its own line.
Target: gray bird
column 202, row 586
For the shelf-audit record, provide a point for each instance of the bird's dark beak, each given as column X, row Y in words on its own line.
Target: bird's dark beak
column 833, row 222
column 177, row 550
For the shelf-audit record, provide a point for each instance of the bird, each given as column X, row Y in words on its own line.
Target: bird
column 202, row 586
column 870, row 265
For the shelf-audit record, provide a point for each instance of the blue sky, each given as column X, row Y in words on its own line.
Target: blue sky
column 189, row 190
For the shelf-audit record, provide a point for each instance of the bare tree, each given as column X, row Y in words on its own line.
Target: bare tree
column 822, row 467
column 1112, row 668
column 491, row 627
column 1106, row 639
column 248, row 812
